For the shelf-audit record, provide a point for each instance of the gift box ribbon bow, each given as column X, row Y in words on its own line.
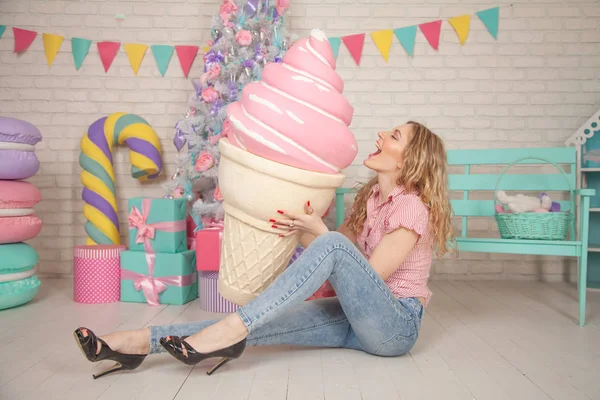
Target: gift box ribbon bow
column 152, row 286
column 146, row 232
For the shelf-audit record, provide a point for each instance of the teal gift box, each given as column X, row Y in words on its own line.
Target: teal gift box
column 157, row 225
column 160, row 278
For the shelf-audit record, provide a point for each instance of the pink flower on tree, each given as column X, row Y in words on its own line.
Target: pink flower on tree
column 218, row 196
column 204, row 162
column 226, row 128
column 281, row 6
column 224, row 132
column 243, row 37
column 209, row 95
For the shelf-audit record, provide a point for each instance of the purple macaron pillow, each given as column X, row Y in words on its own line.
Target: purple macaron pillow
column 17, row 152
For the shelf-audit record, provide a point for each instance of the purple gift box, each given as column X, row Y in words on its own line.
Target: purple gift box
column 208, row 292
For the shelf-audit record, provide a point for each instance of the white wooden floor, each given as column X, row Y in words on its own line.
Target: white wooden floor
column 480, row 340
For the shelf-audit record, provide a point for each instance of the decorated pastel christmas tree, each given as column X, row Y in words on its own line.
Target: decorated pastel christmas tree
column 245, row 36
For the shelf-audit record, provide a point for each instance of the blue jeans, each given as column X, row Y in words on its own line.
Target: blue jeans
column 364, row 316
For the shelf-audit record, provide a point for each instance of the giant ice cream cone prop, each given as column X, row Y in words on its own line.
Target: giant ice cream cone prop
column 287, row 141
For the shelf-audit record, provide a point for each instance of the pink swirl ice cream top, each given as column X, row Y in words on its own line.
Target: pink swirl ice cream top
column 297, row 114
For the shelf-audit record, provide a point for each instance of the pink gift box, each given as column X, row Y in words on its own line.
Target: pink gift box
column 97, row 273
column 208, row 248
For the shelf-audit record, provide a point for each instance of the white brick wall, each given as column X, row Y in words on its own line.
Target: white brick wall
column 533, row 86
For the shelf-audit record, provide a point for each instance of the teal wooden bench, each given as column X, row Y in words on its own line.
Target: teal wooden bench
column 463, row 184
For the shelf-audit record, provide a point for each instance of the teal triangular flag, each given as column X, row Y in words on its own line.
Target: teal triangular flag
column 80, row 48
column 2, row 29
column 162, row 55
column 406, row 36
column 335, row 45
column 490, row 18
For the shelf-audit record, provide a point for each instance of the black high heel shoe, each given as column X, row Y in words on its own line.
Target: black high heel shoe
column 175, row 344
column 89, row 346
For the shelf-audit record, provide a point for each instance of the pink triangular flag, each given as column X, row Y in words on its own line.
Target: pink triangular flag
column 431, row 30
column 355, row 43
column 108, row 51
column 186, row 55
column 23, row 38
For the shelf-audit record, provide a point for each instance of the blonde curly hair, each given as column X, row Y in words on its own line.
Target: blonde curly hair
column 425, row 171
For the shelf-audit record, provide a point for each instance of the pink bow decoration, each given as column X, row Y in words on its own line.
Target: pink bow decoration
column 152, row 286
column 146, row 232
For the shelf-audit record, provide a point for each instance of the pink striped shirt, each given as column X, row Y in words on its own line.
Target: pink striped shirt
column 407, row 210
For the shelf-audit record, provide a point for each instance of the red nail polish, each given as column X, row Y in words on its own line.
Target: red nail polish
column 280, row 212
column 308, row 202
column 274, row 226
column 280, row 235
column 272, row 220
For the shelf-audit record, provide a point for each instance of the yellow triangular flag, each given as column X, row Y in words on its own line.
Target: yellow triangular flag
column 461, row 25
column 51, row 46
column 135, row 54
column 383, row 41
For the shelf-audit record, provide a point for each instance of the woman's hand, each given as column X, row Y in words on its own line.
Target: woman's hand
column 308, row 222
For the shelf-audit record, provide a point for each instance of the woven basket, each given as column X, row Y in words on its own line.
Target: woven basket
column 537, row 226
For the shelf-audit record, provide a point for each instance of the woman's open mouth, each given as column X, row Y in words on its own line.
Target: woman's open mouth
column 375, row 153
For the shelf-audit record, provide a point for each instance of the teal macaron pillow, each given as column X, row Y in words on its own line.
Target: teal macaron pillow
column 18, row 282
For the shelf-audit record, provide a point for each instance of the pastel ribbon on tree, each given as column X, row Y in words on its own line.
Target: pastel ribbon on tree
column 152, row 286
column 98, row 178
column 145, row 232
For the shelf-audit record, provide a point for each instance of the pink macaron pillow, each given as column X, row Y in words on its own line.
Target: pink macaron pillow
column 17, row 151
column 17, row 216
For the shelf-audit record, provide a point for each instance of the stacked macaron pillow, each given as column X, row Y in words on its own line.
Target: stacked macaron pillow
column 18, row 282
column 17, row 152
column 18, row 222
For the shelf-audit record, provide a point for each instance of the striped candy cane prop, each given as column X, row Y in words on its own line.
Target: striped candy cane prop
column 98, row 178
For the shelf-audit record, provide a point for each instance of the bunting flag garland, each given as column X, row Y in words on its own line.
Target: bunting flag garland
column 52, row 44
column 23, row 38
column 80, row 48
column 431, row 31
column 162, row 55
column 335, row 45
column 383, row 41
column 135, row 54
column 108, row 51
column 461, row 27
column 407, row 36
column 355, row 43
column 186, row 55
column 490, row 19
